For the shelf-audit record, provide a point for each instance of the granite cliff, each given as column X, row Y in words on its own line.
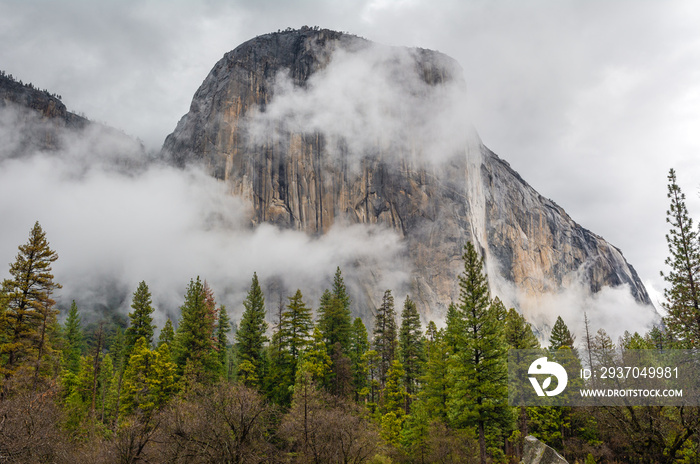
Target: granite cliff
column 265, row 122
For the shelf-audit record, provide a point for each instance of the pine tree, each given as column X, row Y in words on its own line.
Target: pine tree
column 359, row 344
column 411, row 349
column 223, row 327
column 140, row 319
column 561, row 336
column 167, row 334
column 193, row 349
column 29, row 309
column 73, row 344
column 315, row 361
column 436, row 380
column 250, row 337
column 149, row 380
column 385, row 335
column 479, row 396
column 454, row 326
column 519, row 332
column 683, row 297
column 334, row 319
column 289, row 341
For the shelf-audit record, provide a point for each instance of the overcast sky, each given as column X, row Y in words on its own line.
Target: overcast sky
column 590, row 101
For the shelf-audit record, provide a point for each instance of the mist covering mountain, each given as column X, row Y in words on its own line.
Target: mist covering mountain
column 304, row 150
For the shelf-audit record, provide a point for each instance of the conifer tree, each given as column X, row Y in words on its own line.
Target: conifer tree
column 289, row 341
column 561, row 336
column 73, row 344
column 223, row 327
column 683, row 297
column 334, row 319
column 193, row 349
column 454, row 326
column 315, row 361
column 436, row 380
column 167, row 334
column 140, row 319
column 410, row 349
column 385, row 335
column 149, row 380
column 479, row 396
column 250, row 337
column 519, row 332
column 29, row 308
column 359, row 344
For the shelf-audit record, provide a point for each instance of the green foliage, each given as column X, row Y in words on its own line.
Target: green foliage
column 411, row 352
column 385, row 336
column 289, row 341
column 334, row 318
column 193, row 347
column 28, row 306
column 683, row 296
column 358, row 347
column 73, row 343
column 250, row 337
column 436, row 378
column 167, row 334
column 479, row 368
column 140, row 319
column 519, row 332
column 223, row 327
column 315, row 361
column 561, row 336
column 149, row 379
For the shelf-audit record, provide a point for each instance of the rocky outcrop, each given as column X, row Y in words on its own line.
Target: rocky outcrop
column 536, row 452
column 309, row 179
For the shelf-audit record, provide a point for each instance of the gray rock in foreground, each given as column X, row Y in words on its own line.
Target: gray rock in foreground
column 536, row 452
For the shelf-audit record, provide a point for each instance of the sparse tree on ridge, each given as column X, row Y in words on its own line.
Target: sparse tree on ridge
column 683, row 297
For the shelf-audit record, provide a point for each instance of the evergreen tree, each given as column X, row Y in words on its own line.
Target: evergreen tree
column 359, row 345
column 167, row 334
column 140, row 319
column 519, row 332
column 454, row 326
column 315, row 361
column 334, row 318
column 289, row 341
column 436, row 380
column 149, row 379
column 29, row 308
column 479, row 396
column 561, row 336
column 250, row 337
column 385, row 335
column 411, row 349
column 73, row 344
column 223, row 327
column 683, row 297
column 193, row 347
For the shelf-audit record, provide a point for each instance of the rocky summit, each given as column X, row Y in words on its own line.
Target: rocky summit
column 315, row 127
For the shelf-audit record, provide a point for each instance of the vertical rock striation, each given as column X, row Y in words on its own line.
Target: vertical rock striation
column 435, row 195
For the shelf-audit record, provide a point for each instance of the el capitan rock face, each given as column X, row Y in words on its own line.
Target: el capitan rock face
column 307, row 173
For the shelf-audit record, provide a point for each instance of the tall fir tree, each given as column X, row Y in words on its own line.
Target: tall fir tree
column 29, row 307
column 193, row 348
column 289, row 341
column 385, row 335
column 73, row 342
column 683, row 295
column 223, row 328
column 436, row 380
column 167, row 333
column 479, row 395
column 140, row 319
column 334, row 319
column 560, row 335
column 359, row 344
column 250, row 337
column 519, row 333
column 411, row 352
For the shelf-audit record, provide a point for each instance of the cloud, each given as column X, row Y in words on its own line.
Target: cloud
column 115, row 222
column 373, row 100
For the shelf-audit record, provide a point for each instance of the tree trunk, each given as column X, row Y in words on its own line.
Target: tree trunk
column 482, row 443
